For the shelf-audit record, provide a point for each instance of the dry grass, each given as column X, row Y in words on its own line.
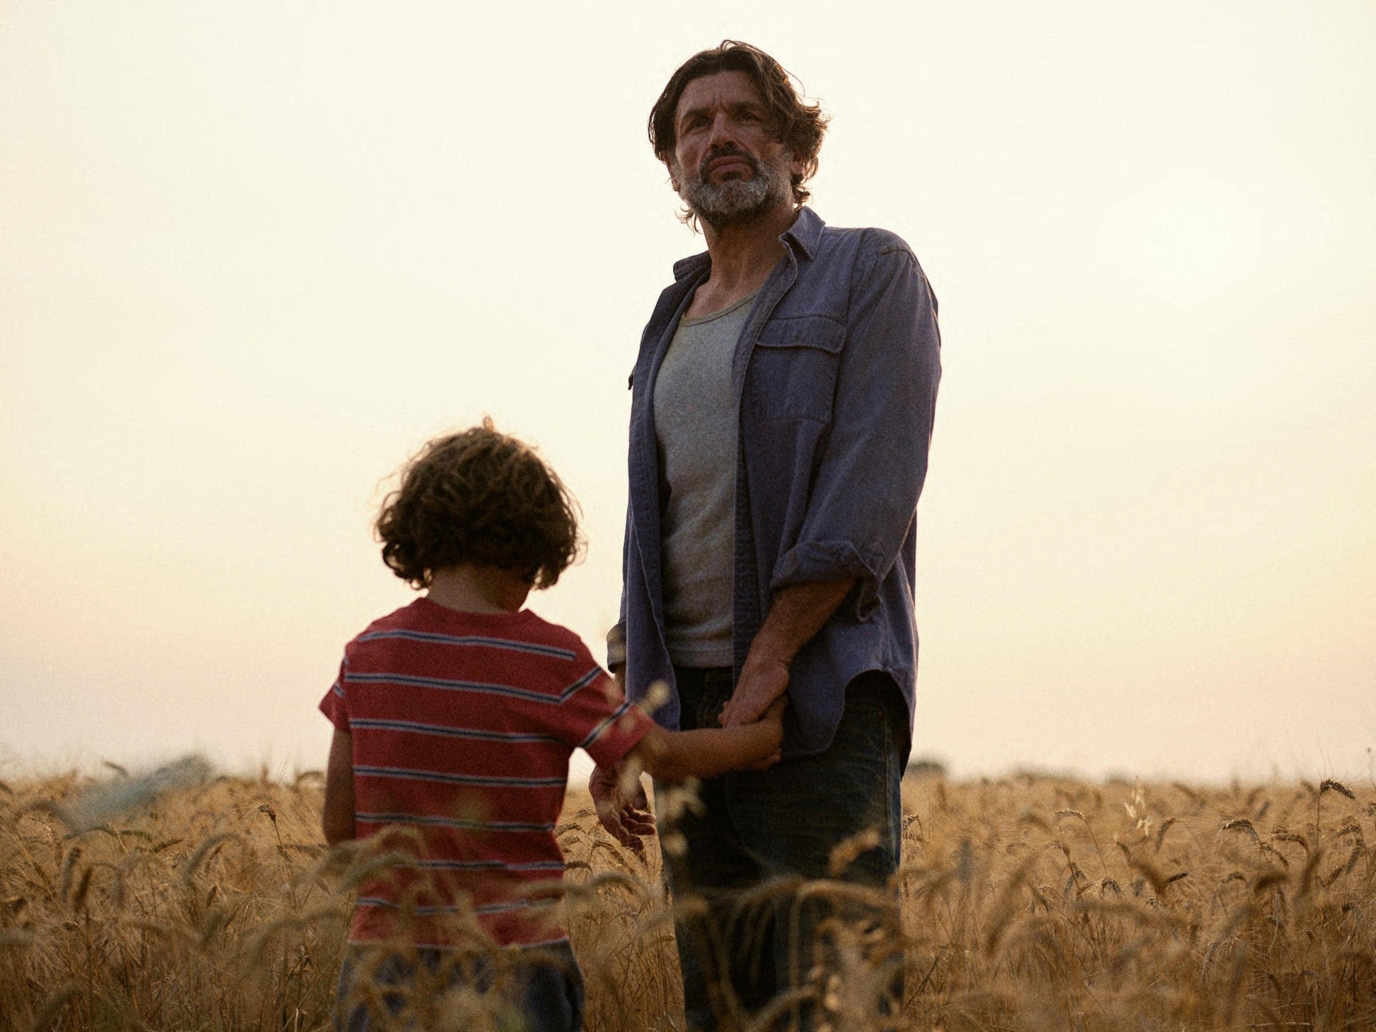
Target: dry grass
column 1028, row 903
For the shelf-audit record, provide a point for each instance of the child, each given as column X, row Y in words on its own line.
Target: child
column 454, row 720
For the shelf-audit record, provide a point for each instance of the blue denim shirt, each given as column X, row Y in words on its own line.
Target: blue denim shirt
column 835, row 379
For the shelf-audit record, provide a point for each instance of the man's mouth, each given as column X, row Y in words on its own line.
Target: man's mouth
column 729, row 165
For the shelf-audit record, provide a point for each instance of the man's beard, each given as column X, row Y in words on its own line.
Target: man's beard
column 735, row 201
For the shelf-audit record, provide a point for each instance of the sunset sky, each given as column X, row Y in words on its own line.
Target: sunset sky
column 253, row 255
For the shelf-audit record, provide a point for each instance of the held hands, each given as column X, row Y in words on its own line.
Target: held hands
column 772, row 722
column 796, row 614
column 755, row 715
column 759, row 699
column 761, row 683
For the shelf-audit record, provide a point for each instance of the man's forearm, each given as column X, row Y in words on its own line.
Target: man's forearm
column 795, row 615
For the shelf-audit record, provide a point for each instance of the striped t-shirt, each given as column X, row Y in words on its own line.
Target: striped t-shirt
column 462, row 727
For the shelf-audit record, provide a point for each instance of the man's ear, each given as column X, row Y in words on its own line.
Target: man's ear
column 673, row 176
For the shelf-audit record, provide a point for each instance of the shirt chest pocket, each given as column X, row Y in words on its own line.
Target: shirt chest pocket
column 793, row 367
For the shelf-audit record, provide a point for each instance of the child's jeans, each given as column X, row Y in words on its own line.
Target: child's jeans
column 535, row 989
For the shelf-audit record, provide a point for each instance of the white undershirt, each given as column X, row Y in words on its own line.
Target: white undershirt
column 695, row 427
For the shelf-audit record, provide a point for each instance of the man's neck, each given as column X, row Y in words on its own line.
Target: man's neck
column 742, row 256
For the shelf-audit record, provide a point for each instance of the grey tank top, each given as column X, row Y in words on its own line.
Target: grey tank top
column 695, row 426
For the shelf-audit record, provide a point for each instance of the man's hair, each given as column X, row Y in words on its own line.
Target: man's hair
column 483, row 498
column 798, row 126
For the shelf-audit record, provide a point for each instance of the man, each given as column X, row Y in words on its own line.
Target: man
column 780, row 421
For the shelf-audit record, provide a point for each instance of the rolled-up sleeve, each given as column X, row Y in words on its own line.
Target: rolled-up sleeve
column 874, row 458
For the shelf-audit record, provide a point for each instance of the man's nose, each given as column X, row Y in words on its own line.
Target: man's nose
column 723, row 132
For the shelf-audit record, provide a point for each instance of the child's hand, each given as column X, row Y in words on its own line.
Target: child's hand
column 773, row 720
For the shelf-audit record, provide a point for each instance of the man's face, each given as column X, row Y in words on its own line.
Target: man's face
column 727, row 166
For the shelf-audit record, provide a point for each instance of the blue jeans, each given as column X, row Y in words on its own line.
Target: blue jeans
column 742, row 941
column 535, row 989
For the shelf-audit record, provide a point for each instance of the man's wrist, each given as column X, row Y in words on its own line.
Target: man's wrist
column 795, row 616
column 767, row 650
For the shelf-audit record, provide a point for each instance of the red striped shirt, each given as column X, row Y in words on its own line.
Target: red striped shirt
column 462, row 728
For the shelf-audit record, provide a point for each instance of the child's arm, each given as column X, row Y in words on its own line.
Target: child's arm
column 707, row 752
column 338, row 820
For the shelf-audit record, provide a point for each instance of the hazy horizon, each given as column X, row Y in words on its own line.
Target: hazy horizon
column 251, row 258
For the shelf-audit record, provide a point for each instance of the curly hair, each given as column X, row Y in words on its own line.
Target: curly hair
column 482, row 498
column 798, row 126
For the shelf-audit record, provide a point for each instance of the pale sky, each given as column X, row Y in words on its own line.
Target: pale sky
column 253, row 255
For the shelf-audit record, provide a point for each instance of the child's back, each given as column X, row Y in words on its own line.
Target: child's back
column 454, row 719
column 462, row 726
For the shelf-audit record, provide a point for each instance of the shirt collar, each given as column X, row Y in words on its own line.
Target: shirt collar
column 685, row 267
column 804, row 234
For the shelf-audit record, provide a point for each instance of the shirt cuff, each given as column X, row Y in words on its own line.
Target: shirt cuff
column 617, row 735
column 815, row 562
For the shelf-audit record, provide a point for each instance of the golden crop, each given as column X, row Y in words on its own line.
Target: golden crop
column 1029, row 903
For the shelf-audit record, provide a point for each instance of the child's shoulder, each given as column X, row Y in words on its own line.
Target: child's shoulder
column 408, row 617
column 555, row 635
column 424, row 621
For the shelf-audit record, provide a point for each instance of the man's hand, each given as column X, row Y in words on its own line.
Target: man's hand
column 773, row 718
column 761, row 683
column 626, row 816
column 796, row 614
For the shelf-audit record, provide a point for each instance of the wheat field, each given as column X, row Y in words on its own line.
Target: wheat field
column 1029, row 903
